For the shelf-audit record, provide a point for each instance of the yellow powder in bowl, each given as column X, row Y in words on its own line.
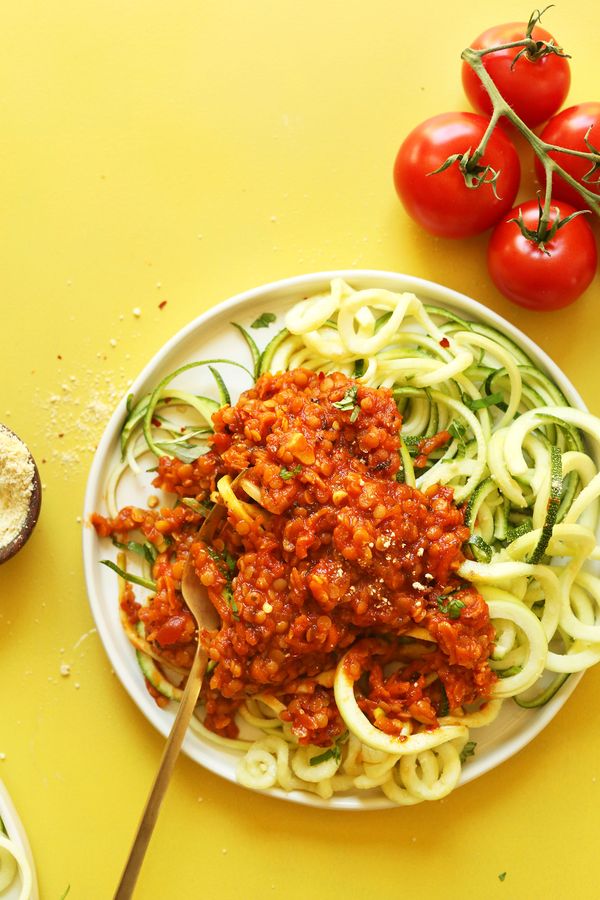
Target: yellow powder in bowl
column 16, row 485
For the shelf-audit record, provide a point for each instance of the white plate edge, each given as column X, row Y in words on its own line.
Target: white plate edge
column 312, row 283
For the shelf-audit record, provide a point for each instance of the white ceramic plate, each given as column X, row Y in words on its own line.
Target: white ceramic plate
column 16, row 833
column 209, row 336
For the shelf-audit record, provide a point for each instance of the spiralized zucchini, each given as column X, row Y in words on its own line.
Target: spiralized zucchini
column 517, row 457
column 13, row 860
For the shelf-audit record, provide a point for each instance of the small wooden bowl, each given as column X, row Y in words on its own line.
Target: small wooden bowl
column 29, row 523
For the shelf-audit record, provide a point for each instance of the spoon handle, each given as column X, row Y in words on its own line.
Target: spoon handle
column 161, row 782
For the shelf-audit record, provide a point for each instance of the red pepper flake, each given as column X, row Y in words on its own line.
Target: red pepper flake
column 162, row 304
column 444, row 342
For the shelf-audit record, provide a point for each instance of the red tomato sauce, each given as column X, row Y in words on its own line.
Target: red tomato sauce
column 341, row 554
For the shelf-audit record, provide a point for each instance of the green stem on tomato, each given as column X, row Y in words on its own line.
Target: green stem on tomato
column 556, row 148
column 480, row 149
column 545, row 216
column 539, row 147
column 524, row 42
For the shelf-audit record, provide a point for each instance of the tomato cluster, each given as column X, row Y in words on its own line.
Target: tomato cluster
column 453, row 191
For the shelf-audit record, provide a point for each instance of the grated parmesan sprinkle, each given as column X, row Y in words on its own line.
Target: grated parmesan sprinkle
column 16, row 485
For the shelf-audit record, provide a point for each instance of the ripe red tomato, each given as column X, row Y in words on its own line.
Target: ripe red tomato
column 568, row 129
column 535, row 89
column 538, row 280
column 442, row 203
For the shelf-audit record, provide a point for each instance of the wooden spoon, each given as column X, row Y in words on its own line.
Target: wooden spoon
column 196, row 598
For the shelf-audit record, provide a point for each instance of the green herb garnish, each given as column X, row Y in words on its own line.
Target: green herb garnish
column 226, row 565
column 264, row 320
column 333, row 752
column 182, row 450
column 195, row 506
column 147, row 549
column 449, row 605
column 501, row 876
column 468, row 750
column 482, row 402
column 458, row 431
column 349, row 402
column 229, row 560
column 228, row 594
column 286, row 474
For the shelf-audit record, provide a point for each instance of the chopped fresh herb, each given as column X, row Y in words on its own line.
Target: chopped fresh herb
column 228, row 594
column 333, row 752
column 135, row 579
column 229, row 560
column 196, row 506
column 211, row 666
column 286, row 474
column 501, row 876
column 468, row 750
column 349, row 403
column 450, row 606
column 147, row 549
column 226, row 564
column 182, row 450
column 458, row 431
column 264, row 320
column 482, row 402
column 62, row 897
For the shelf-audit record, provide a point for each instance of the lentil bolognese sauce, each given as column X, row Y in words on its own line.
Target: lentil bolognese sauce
column 337, row 554
column 358, row 644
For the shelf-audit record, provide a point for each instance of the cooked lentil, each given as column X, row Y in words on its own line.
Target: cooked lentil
column 338, row 554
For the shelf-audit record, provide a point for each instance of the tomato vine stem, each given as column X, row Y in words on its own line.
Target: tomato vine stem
column 500, row 108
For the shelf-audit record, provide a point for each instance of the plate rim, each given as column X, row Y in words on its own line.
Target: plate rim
column 311, row 282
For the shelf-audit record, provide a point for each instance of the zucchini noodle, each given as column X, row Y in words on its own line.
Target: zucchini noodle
column 12, row 860
column 516, row 456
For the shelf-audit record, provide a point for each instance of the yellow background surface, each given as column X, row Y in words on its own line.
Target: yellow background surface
column 183, row 152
